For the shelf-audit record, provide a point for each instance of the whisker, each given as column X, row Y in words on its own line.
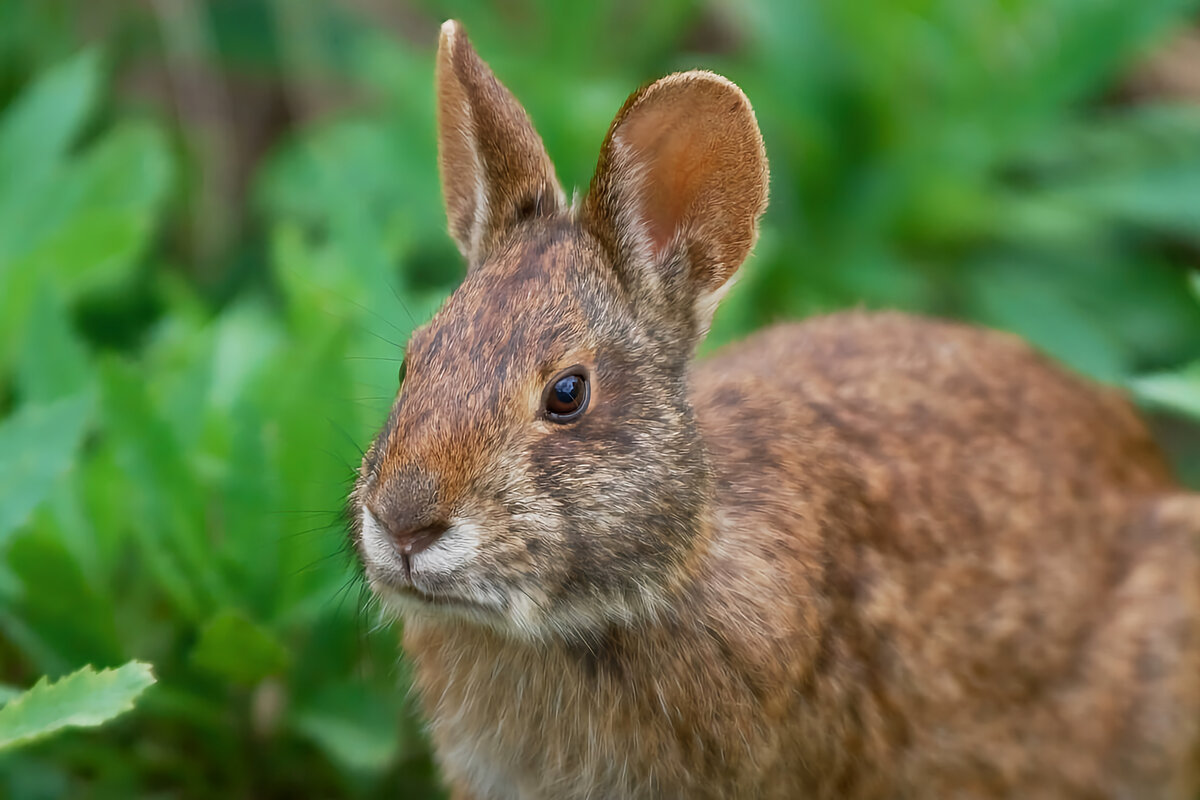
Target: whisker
column 412, row 319
column 353, row 442
column 283, row 537
column 379, row 316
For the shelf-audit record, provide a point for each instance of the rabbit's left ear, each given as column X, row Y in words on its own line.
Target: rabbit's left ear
column 495, row 171
column 680, row 185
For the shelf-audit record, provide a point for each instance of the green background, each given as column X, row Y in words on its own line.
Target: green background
column 220, row 220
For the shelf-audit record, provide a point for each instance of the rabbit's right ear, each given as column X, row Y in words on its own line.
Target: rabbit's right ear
column 494, row 169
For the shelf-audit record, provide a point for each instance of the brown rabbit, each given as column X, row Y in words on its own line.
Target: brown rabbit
column 865, row 556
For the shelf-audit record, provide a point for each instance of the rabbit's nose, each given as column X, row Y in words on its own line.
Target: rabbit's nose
column 407, row 508
column 408, row 541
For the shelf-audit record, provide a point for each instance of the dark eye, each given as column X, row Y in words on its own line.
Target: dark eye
column 403, row 370
column 567, row 395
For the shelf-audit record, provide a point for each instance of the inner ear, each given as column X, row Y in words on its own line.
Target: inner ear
column 682, row 170
column 671, row 176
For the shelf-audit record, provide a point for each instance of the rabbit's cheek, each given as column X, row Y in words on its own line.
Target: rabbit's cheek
column 440, row 567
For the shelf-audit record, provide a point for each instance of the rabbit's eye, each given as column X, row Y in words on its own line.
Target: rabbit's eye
column 567, row 395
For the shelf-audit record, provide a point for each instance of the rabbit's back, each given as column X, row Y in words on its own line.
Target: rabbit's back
column 925, row 400
column 996, row 589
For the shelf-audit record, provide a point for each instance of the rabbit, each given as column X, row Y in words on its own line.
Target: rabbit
column 867, row 555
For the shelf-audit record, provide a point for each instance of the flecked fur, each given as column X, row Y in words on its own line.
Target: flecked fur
column 863, row 556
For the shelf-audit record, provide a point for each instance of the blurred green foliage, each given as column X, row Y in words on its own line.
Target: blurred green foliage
column 220, row 220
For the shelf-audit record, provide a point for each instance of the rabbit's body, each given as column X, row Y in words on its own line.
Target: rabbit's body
column 859, row 557
column 935, row 612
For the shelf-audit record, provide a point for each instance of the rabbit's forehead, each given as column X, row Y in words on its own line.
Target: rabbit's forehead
column 537, row 302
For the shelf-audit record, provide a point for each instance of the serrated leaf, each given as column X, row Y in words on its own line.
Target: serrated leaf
column 238, row 649
column 84, row 698
column 38, row 445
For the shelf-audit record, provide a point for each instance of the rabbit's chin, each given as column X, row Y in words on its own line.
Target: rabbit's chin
column 443, row 582
column 520, row 620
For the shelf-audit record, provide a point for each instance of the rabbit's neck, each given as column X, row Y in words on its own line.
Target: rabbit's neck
column 557, row 712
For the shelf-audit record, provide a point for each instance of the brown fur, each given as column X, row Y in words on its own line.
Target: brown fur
column 493, row 166
column 865, row 556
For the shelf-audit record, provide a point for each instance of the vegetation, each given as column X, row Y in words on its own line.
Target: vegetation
column 220, row 220
column 83, row 698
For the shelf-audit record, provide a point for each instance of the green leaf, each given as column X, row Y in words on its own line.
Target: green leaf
column 238, row 649
column 94, row 221
column 90, row 249
column 1138, row 167
column 1165, row 199
column 352, row 725
column 81, row 221
column 1015, row 296
column 38, row 129
column 84, row 698
column 1172, row 391
column 166, row 510
column 57, row 618
column 246, row 339
column 52, row 362
column 37, row 446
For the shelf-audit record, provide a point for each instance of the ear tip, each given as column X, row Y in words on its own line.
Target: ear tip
column 706, row 75
column 451, row 32
column 698, row 76
column 712, row 81
column 685, row 144
column 698, row 86
column 714, row 85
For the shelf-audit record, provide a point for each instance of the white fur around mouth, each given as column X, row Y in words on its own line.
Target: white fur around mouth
column 378, row 556
column 453, row 554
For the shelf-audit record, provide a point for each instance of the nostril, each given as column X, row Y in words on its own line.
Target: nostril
column 414, row 540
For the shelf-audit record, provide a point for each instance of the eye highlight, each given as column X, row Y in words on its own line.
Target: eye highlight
column 566, row 396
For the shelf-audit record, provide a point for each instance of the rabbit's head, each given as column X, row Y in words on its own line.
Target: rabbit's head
column 540, row 470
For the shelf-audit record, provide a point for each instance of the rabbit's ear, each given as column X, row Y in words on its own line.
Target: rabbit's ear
column 495, row 171
column 680, row 185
